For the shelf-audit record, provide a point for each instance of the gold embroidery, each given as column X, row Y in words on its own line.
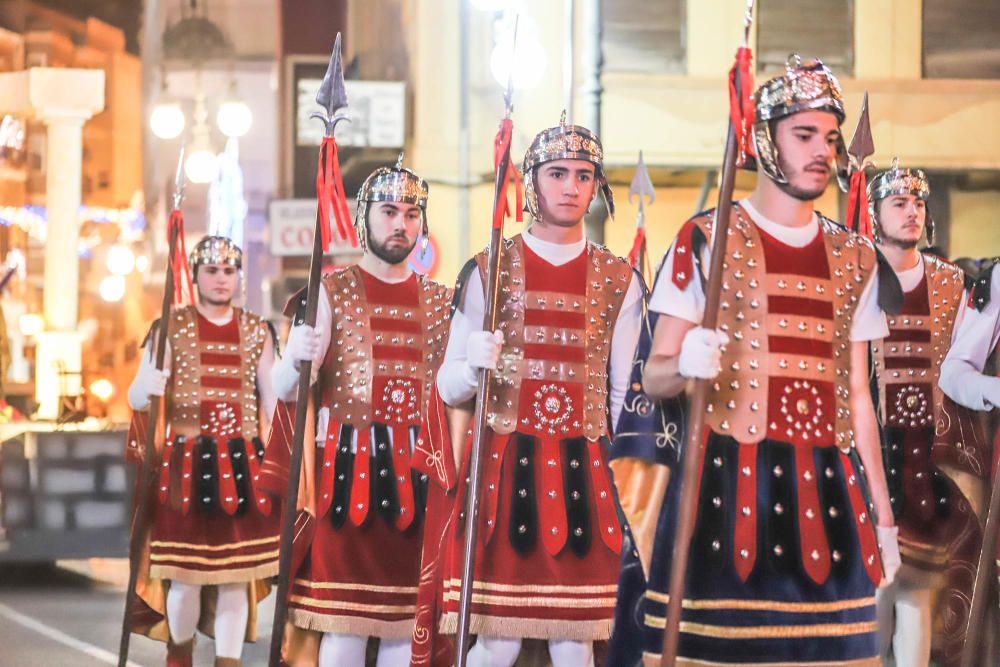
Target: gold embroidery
column 213, row 561
column 594, row 603
column 513, row 588
column 215, row 547
column 354, row 606
column 767, row 605
column 654, row 659
column 778, row 631
column 320, row 585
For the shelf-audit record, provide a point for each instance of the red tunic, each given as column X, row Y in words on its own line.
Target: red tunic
column 548, row 555
column 211, row 524
column 361, row 570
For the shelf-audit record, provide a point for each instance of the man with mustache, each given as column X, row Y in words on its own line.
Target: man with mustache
column 785, row 552
column 568, row 322
column 930, row 509
column 214, row 540
column 380, row 334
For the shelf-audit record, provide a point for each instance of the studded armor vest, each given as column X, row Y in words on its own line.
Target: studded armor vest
column 788, row 313
column 553, row 373
column 386, row 345
column 908, row 362
column 214, row 374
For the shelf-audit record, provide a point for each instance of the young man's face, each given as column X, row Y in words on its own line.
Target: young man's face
column 901, row 220
column 565, row 189
column 807, row 145
column 393, row 228
column 217, row 283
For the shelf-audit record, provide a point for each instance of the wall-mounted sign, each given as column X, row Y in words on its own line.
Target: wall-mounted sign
column 377, row 114
column 291, row 223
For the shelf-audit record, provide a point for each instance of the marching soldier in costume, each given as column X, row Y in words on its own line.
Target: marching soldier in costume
column 214, row 539
column 569, row 315
column 785, row 552
column 379, row 338
column 932, row 514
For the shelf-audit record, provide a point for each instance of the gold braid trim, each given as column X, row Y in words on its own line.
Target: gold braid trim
column 215, row 547
column 767, row 631
column 354, row 606
column 767, row 605
column 371, row 588
column 653, row 660
column 205, row 578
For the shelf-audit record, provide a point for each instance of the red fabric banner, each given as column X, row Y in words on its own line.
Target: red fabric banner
column 330, row 196
column 741, row 104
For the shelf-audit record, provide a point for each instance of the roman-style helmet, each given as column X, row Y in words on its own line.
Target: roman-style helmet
column 396, row 183
column 898, row 181
column 216, row 250
column 803, row 87
column 564, row 142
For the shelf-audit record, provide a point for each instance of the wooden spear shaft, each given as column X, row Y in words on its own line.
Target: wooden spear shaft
column 290, row 506
column 140, row 521
column 699, row 401
column 972, row 649
column 481, row 429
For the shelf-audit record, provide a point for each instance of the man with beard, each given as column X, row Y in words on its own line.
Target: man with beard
column 569, row 314
column 380, row 334
column 214, row 540
column 784, row 556
column 925, row 500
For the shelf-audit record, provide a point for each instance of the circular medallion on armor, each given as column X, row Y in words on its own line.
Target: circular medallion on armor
column 399, row 401
column 802, row 409
column 912, row 407
column 553, row 407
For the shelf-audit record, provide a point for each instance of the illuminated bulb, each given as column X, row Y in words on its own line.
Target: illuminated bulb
column 102, row 389
column 234, row 118
column 167, row 120
column 121, row 260
column 112, row 288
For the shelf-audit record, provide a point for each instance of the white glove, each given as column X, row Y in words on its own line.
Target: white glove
column 701, row 354
column 303, row 344
column 148, row 382
column 482, row 350
column 888, row 541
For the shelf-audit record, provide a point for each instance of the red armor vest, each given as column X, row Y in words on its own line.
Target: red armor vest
column 386, row 345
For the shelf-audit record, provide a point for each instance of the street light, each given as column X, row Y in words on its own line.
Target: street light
column 120, row 260
column 112, row 288
column 528, row 61
column 234, row 118
column 167, row 120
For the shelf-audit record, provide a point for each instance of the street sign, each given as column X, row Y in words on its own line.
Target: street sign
column 377, row 113
column 290, row 227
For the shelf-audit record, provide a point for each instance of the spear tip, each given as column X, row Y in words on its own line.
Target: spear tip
column 642, row 185
column 332, row 93
column 862, row 144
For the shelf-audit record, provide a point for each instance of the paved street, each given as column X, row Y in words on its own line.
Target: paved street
column 57, row 616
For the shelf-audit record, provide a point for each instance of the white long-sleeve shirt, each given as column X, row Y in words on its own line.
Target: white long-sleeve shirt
column 457, row 380
column 973, row 339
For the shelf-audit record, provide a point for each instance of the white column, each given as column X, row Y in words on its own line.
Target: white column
column 63, row 99
column 64, row 153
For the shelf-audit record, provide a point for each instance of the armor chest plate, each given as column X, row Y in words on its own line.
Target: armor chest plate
column 557, row 323
column 788, row 313
column 387, row 342
column 214, row 374
column 908, row 362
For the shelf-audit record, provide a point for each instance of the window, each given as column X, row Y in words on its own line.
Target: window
column 821, row 29
column 961, row 39
column 643, row 36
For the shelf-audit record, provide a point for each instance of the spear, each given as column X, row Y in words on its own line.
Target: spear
column 147, row 469
column 862, row 147
column 332, row 96
column 480, row 427
column 642, row 187
column 973, row 649
column 734, row 155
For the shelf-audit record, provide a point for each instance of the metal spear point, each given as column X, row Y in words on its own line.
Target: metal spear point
column 862, row 144
column 179, row 181
column 332, row 95
column 641, row 187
